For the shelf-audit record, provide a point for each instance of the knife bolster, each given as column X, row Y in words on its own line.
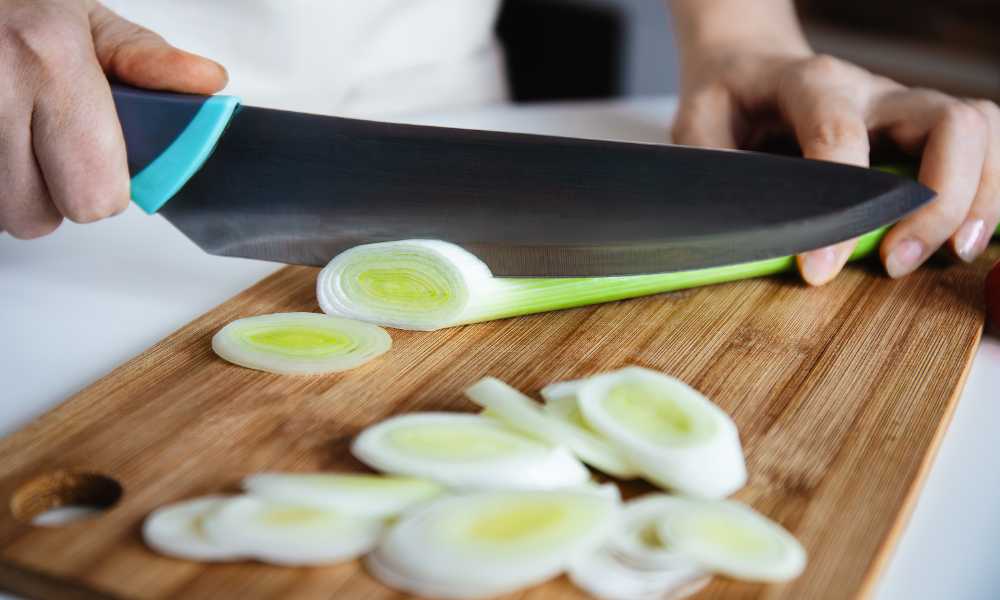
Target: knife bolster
column 167, row 138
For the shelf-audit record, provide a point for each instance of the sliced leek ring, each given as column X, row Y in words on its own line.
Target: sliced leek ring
column 398, row 579
column 300, row 343
column 177, row 530
column 498, row 541
column 561, row 391
column 374, row 496
column 637, row 541
column 730, row 538
column 466, row 452
column 607, row 577
column 523, row 414
column 409, row 284
column 291, row 534
column 673, row 434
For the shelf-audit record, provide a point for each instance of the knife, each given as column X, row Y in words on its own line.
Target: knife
column 300, row 188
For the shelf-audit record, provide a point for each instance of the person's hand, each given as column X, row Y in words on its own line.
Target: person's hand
column 744, row 88
column 61, row 147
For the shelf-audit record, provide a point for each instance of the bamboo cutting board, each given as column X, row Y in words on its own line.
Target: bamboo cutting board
column 841, row 395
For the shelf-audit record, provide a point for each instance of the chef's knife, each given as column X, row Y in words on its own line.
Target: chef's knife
column 300, row 188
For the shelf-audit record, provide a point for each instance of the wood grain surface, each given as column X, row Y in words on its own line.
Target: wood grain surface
column 841, row 395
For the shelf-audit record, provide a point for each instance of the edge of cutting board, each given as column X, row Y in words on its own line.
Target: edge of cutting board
column 891, row 541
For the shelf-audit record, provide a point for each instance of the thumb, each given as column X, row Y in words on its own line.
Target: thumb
column 139, row 57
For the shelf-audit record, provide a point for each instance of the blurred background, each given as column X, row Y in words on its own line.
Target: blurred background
column 606, row 48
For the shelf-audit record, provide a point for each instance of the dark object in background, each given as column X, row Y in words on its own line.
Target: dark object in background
column 993, row 300
column 559, row 50
column 953, row 46
column 966, row 24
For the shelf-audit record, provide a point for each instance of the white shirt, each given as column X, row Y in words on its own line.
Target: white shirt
column 364, row 58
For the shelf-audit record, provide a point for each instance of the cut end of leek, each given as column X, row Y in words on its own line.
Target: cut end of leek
column 673, row 434
column 493, row 543
column 300, row 343
column 466, row 452
column 363, row 495
column 411, row 284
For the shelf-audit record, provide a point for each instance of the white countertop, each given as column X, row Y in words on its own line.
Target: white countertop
column 77, row 303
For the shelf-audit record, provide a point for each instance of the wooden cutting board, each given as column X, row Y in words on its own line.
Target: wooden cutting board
column 841, row 395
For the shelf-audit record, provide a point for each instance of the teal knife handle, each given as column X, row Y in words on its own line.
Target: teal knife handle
column 168, row 137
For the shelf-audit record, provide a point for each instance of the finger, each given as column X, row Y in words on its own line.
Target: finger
column 974, row 235
column 137, row 56
column 952, row 165
column 818, row 267
column 706, row 118
column 78, row 142
column 26, row 211
column 828, row 127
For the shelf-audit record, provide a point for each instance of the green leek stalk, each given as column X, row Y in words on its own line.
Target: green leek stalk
column 429, row 284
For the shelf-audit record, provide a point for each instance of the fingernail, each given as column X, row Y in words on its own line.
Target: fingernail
column 817, row 265
column 968, row 240
column 904, row 258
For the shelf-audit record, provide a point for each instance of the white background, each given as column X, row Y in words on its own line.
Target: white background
column 78, row 303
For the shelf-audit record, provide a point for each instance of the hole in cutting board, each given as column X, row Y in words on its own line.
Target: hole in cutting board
column 64, row 496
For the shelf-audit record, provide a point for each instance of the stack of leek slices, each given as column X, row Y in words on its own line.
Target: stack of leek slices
column 478, row 505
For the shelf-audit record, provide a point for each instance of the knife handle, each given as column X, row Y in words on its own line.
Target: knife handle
column 167, row 138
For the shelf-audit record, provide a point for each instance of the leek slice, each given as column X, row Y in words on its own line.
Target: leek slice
column 178, row 530
column 561, row 392
column 493, row 543
column 300, row 343
column 521, row 413
column 673, row 434
column 637, row 542
column 398, row 579
column 374, row 496
column 730, row 538
column 430, row 284
column 291, row 534
column 466, row 452
column 607, row 577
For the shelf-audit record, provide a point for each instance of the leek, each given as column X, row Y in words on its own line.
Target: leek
column 429, row 284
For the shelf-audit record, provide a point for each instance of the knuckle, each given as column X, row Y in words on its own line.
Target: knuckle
column 49, row 43
column 964, row 116
column 837, row 131
column 988, row 108
column 823, row 66
column 947, row 213
column 33, row 229
column 91, row 206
